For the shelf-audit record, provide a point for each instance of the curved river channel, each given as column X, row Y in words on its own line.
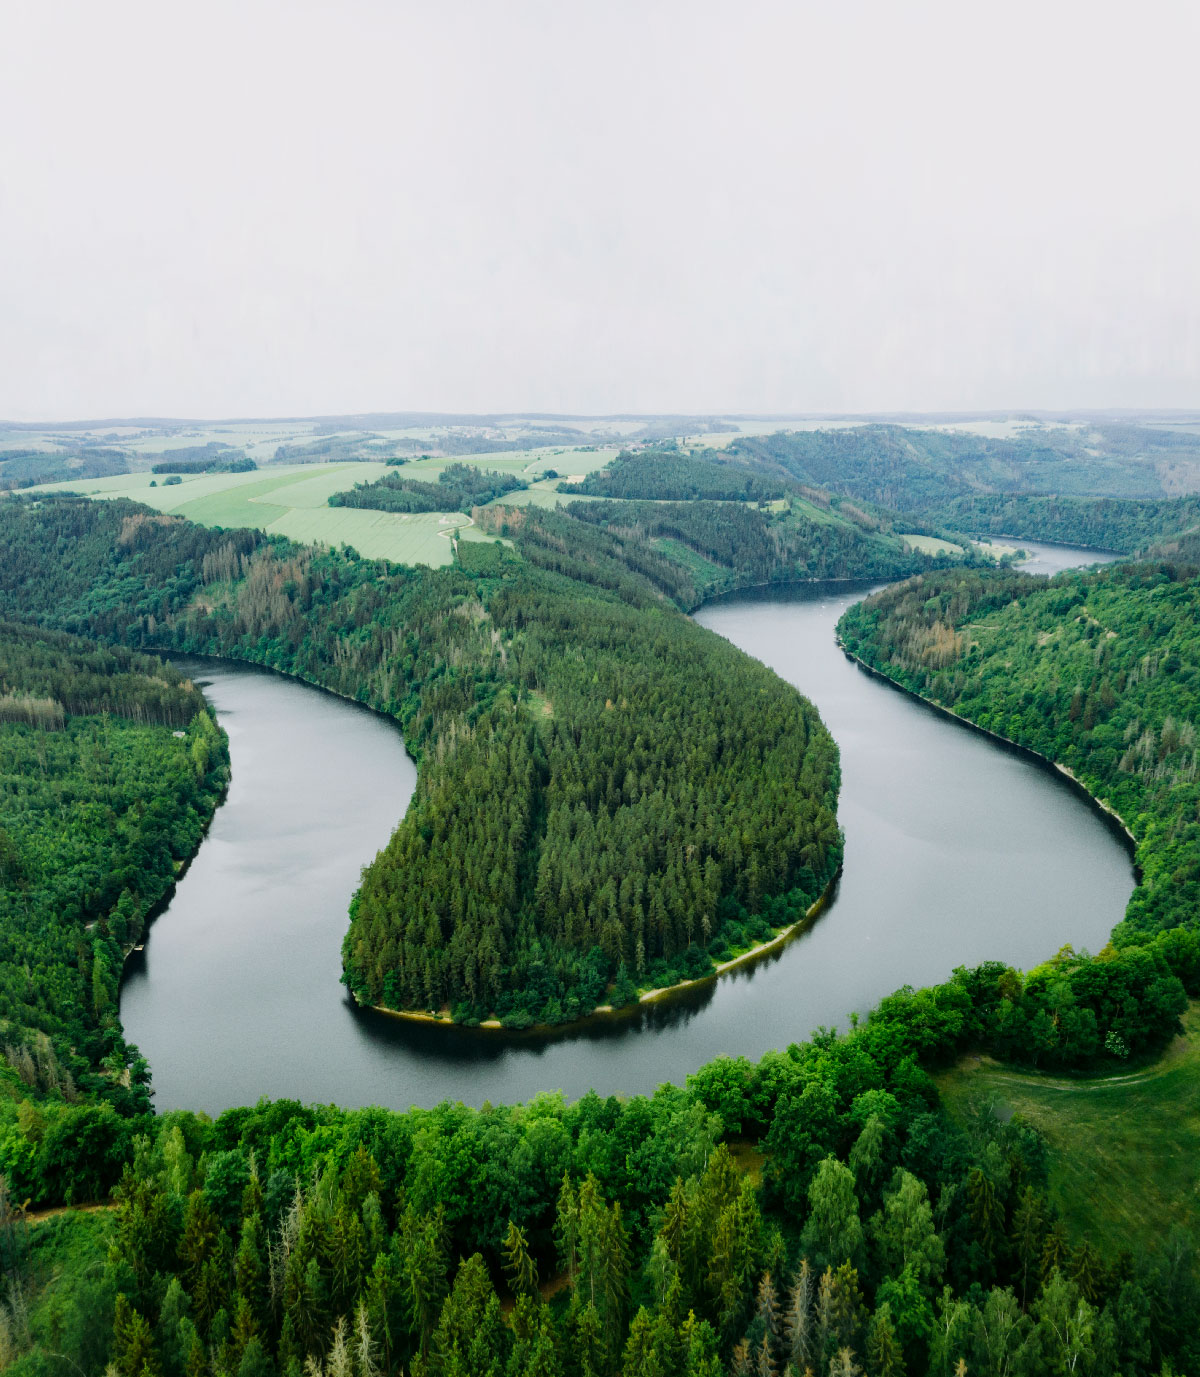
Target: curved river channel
column 957, row 851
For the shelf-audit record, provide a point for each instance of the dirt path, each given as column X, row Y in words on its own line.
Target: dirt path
column 37, row 1216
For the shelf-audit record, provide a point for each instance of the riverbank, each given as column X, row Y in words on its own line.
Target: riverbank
column 661, row 994
column 1106, row 811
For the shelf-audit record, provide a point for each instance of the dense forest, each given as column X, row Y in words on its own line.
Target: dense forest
column 657, row 798
column 815, row 1212
column 728, row 545
column 23, row 468
column 110, row 768
column 674, row 475
column 213, row 457
column 459, row 488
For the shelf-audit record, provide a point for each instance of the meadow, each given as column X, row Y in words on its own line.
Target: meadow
column 929, row 545
column 1124, row 1150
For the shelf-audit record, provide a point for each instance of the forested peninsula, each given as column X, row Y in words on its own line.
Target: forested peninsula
column 609, row 795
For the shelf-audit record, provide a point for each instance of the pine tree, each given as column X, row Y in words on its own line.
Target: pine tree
column 767, row 1308
column 798, row 1324
column 885, row 1357
column 566, row 1227
column 843, row 1364
column 134, row 1353
column 1028, row 1235
column 848, row 1312
column 1054, row 1251
column 519, row 1267
column 765, row 1366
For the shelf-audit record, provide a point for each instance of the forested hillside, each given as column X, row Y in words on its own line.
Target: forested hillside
column 1099, row 671
column 730, row 545
column 110, row 769
column 1102, row 523
column 607, row 791
column 919, row 471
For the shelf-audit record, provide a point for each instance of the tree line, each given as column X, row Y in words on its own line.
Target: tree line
column 459, row 487
column 674, row 475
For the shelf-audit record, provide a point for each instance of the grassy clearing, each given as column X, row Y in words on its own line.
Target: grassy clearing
column 997, row 550
column 703, row 569
column 1124, row 1151
column 929, row 545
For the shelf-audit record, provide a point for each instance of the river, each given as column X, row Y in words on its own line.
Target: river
column 957, row 851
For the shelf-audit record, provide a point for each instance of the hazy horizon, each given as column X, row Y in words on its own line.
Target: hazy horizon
column 296, row 210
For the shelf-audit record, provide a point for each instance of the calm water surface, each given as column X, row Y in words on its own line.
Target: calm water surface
column 957, row 851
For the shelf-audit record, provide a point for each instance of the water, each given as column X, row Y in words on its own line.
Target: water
column 957, row 851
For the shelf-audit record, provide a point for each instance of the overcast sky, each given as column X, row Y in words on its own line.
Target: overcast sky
column 473, row 205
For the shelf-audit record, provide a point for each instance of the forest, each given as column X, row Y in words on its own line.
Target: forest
column 1166, row 527
column 110, row 768
column 659, row 797
column 727, row 545
column 679, row 477
column 459, row 488
column 817, row 1211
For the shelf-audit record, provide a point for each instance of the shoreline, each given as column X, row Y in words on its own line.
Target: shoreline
column 1107, row 812
column 654, row 996
column 163, row 902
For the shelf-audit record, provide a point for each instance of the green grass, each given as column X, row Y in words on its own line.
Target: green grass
column 929, row 545
column 290, row 501
column 704, row 570
column 1124, row 1150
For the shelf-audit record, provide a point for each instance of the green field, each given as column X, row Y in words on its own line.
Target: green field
column 929, row 545
column 1124, row 1150
column 291, row 501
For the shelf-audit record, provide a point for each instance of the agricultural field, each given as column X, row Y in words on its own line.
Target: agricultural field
column 1124, row 1150
column 292, row 500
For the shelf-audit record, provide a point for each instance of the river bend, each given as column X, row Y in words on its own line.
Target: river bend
column 957, row 851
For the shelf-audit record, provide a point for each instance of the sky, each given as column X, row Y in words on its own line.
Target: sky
column 590, row 206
